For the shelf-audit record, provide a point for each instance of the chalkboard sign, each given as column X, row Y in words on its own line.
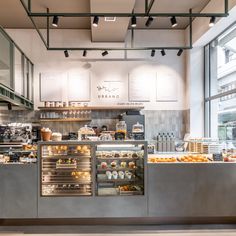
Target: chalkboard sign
column 217, row 157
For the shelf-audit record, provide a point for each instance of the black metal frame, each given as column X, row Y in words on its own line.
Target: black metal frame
column 148, row 6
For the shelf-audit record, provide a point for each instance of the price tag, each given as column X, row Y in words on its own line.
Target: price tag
column 217, row 157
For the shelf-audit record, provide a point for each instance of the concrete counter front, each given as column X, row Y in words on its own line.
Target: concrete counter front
column 174, row 191
column 18, row 195
column 192, row 190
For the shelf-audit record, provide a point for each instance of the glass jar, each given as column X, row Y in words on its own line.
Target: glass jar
column 137, row 128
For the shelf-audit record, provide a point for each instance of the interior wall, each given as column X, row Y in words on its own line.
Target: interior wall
column 102, row 68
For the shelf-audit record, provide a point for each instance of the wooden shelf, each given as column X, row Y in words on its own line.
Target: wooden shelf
column 63, row 120
column 91, row 108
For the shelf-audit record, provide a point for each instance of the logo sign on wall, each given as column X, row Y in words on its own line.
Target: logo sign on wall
column 109, row 90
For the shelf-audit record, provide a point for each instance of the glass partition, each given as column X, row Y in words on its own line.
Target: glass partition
column 18, row 71
column 5, row 61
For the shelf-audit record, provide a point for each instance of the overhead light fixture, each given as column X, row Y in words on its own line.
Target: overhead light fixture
column 153, row 53
column 104, row 53
column 66, row 53
column 180, row 52
column 84, row 53
column 133, row 21
column 55, row 21
column 212, row 21
column 173, row 21
column 149, row 21
column 95, row 21
column 163, row 53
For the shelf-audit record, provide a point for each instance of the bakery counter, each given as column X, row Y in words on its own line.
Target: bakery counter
column 191, row 189
column 18, row 195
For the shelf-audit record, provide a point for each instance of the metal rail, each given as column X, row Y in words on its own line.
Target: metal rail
column 148, row 7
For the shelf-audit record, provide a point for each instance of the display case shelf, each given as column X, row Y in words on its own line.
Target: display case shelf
column 116, row 169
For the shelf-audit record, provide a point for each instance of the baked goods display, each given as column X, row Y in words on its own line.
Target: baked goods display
column 194, row 158
column 66, row 170
column 56, row 136
column 119, row 155
column 184, row 158
column 119, row 171
column 130, row 189
column 161, row 159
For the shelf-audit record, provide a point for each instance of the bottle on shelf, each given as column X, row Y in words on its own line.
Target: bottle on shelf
column 168, row 141
column 159, row 142
column 164, row 149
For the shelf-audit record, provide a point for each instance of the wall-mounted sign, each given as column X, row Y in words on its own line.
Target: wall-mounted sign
column 109, row 90
column 78, row 87
column 139, row 88
column 51, row 86
column 166, row 88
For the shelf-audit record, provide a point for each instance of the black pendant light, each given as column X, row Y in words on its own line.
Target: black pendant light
column 212, row 21
column 104, row 53
column 133, row 21
column 173, row 21
column 163, row 53
column 55, row 21
column 149, row 21
column 84, row 53
column 66, row 53
column 180, row 52
column 153, row 53
column 95, row 21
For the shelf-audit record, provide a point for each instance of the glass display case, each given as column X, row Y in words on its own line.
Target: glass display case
column 120, row 169
column 92, row 168
column 66, row 169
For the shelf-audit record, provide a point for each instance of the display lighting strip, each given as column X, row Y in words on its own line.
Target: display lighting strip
column 148, row 6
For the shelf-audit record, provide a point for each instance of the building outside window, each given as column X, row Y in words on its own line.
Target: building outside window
column 220, row 86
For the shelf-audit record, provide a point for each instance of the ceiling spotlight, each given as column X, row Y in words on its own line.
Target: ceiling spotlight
column 84, row 53
column 163, row 53
column 173, row 21
column 104, row 53
column 149, row 21
column 212, row 21
column 66, row 53
column 95, row 21
column 153, row 53
column 133, row 21
column 55, row 21
column 180, row 52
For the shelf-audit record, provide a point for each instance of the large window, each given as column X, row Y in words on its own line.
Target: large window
column 220, row 86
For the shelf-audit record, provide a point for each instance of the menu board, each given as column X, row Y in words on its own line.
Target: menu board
column 51, row 86
column 78, row 87
column 139, row 88
column 166, row 88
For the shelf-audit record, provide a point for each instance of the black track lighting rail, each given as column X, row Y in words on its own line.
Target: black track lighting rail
column 148, row 6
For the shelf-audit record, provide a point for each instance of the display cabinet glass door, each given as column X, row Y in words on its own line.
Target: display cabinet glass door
column 66, row 170
column 120, row 169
